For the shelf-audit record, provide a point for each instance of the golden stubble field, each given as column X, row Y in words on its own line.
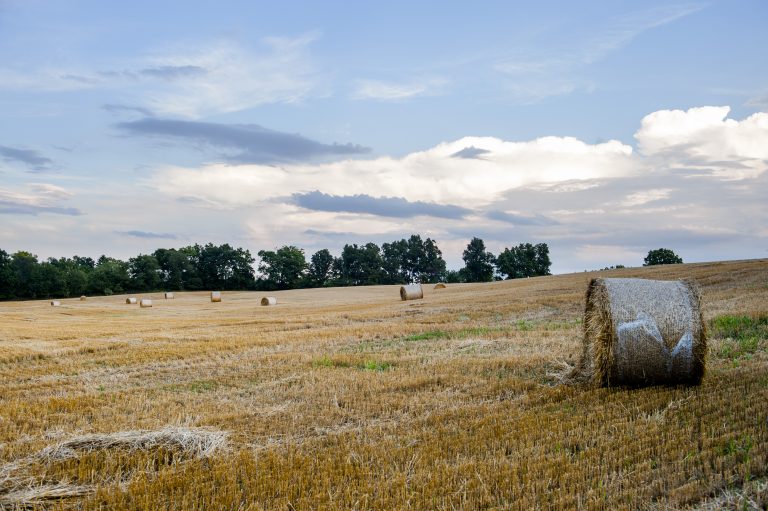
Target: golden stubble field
column 352, row 399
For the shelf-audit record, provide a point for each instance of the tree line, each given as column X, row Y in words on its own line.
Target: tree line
column 205, row 267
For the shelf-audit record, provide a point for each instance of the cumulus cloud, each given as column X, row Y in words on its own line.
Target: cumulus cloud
column 704, row 140
column 44, row 198
column 29, row 157
column 583, row 199
column 251, row 142
column 432, row 176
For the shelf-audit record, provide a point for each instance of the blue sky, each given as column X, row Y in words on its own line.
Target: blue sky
column 602, row 128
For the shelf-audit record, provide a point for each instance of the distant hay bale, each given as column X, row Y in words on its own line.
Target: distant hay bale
column 55, row 303
column 269, row 300
column 411, row 292
column 130, row 300
column 145, row 302
column 215, row 296
column 169, row 296
column 440, row 285
column 83, row 298
column 642, row 332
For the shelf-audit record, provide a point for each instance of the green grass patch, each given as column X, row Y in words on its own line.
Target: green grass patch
column 740, row 327
column 326, row 361
column 374, row 365
column 742, row 335
column 429, row 335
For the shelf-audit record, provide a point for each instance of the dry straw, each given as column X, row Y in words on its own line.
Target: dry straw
column 55, row 303
column 215, row 296
column 642, row 332
column 130, row 300
column 440, row 285
column 145, row 302
column 269, row 300
column 83, row 298
column 191, row 442
column 20, row 490
column 169, row 296
column 411, row 292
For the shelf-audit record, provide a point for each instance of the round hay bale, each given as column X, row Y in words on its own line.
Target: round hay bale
column 269, row 300
column 411, row 292
column 642, row 332
column 83, row 298
column 55, row 303
column 145, row 302
column 130, row 300
column 215, row 296
column 169, row 296
column 440, row 285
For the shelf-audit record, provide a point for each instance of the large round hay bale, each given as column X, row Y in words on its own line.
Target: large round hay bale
column 440, row 285
column 169, row 296
column 83, row 298
column 269, row 300
column 642, row 332
column 55, row 303
column 411, row 292
column 145, row 302
column 130, row 300
column 215, row 296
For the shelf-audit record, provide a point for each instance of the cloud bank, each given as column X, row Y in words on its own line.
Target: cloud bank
column 599, row 203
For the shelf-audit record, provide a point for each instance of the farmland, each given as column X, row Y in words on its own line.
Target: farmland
column 348, row 398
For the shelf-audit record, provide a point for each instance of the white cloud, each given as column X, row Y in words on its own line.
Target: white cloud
column 433, row 175
column 42, row 198
column 705, row 140
column 392, row 91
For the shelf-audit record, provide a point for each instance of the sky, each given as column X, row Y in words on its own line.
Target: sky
column 604, row 129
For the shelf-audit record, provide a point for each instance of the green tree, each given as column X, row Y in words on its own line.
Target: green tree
column 431, row 265
column 7, row 284
column 478, row 264
column 144, row 271
column 284, row 268
column 524, row 260
column 74, row 275
column 393, row 262
column 661, row 256
column 453, row 277
column 320, row 268
column 177, row 268
column 360, row 266
column 109, row 277
column 23, row 266
column 224, row 267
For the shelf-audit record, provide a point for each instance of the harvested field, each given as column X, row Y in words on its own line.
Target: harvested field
column 353, row 399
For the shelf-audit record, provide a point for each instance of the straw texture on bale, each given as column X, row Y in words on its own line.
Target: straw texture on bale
column 145, row 302
column 83, row 298
column 440, row 285
column 169, row 296
column 642, row 332
column 215, row 296
column 131, row 300
column 55, row 303
column 269, row 300
column 411, row 292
